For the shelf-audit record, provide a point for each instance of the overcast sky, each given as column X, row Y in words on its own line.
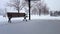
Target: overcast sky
column 3, row 3
column 52, row 4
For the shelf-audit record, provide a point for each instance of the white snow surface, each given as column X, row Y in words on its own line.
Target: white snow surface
column 37, row 25
column 33, row 17
column 48, row 17
column 31, row 27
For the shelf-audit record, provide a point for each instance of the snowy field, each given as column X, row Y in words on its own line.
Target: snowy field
column 46, row 17
column 38, row 25
column 31, row 27
column 4, row 20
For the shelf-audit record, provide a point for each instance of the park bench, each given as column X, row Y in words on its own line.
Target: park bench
column 12, row 15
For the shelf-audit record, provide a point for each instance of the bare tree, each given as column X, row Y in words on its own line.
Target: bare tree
column 46, row 9
column 17, row 4
column 40, row 6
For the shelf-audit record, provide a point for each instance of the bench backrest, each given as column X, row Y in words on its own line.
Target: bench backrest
column 16, row 14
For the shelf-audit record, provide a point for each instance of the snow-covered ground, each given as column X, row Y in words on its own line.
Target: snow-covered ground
column 33, row 17
column 31, row 27
column 38, row 25
column 45, row 17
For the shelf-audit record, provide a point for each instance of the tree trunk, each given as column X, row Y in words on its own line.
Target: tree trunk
column 39, row 12
column 29, row 10
column 18, row 9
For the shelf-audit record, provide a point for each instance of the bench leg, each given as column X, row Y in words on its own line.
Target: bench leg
column 9, row 20
column 24, row 19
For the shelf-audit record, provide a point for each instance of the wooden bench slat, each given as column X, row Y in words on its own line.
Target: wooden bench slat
column 11, row 15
